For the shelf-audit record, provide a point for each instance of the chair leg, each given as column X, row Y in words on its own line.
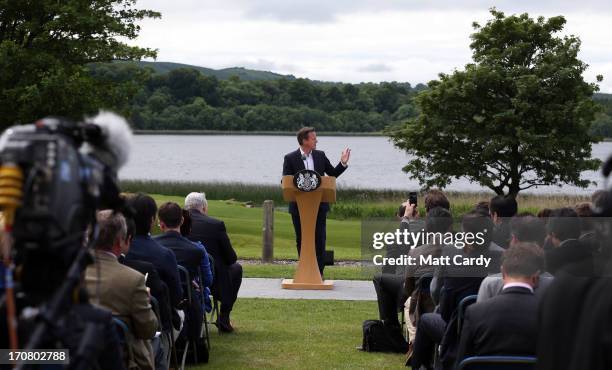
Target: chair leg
column 204, row 333
column 184, row 355
column 173, row 355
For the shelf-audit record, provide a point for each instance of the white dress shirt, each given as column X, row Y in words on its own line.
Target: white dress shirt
column 308, row 162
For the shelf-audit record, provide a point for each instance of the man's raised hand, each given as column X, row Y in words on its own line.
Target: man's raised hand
column 346, row 154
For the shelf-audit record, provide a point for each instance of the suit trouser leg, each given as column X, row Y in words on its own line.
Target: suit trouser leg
column 320, row 238
column 389, row 295
column 297, row 227
column 430, row 331
column 230, row 289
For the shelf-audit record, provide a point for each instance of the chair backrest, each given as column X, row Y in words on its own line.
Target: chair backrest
column 498, row 363
column 185, row 281
column 424, row 282
column 123, row 332
column 463, row 305
column 155, row 307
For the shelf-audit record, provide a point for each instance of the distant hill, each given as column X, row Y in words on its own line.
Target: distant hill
column 222, row 74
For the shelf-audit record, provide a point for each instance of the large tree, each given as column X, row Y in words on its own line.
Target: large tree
column 45, row 47
column 515, row 118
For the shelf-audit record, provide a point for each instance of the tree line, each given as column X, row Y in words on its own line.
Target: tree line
column 185, row 99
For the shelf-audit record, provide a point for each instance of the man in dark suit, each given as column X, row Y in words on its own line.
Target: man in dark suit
column 568, row 252
column 187, row 255
column 144, row 248
column 502, row 209
column 228, row 273
column 507, row 323
column 307, row 157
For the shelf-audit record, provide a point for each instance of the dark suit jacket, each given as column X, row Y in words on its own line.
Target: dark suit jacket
column 571, row 256
column 212, row 233
column 503, row 325
column 144, row 248
column 561, row 315
column 187, row 254
column 293, row 164
column 158, row 288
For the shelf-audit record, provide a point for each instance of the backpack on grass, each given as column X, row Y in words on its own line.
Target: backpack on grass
column 378, row 337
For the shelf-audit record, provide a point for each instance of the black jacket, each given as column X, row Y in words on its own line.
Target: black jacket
column 157, row 286
column 572, row 257
column 212, row 233
column 503, row 325
column 293, row 164
column 187, row 254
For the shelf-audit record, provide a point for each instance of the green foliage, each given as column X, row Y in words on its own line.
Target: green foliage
column 44, row 49
column 192, row 98
column 518, row 117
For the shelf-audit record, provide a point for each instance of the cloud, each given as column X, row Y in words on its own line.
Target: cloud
column 337, row 41
column 375, row 67
column 326, row 11
column 268, row 65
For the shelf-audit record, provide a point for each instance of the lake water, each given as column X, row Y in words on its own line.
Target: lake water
column 375, row 163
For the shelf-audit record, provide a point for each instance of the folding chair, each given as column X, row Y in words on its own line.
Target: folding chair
column 186, row 286
column 214, row 315
column 123, row 332
column 204, row 333
column 463, row 305
column 498, row 363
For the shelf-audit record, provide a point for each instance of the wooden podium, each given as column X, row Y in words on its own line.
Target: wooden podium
column 307, row 275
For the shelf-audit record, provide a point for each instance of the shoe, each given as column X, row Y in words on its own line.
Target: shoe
column 224, row 324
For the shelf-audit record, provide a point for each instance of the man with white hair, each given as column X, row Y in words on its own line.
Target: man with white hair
column 228, row 273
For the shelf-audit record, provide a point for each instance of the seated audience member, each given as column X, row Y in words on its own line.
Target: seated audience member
column 144, row 248
column 158, row 290
column 451, row 283
column 433, row 198
column 507, row 323
column 524, row 229
column 187, row 255
column 228, row 273
column 544, row 213
column 502, row 208
column 567, row 253
column 390, row 287
column 205, row 267
column 393, row 290
column 483, row 207
column 121, row 289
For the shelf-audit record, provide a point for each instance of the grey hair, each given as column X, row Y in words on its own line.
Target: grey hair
column 112, row 226
column 196, row 201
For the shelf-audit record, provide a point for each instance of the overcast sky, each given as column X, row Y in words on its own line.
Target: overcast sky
column 354, row 40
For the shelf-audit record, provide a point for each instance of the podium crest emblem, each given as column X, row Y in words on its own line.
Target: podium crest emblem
column 307, row 180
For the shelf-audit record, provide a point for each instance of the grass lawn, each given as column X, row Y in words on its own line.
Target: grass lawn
column 244, row 229
column 286, row 271
column 297, row 334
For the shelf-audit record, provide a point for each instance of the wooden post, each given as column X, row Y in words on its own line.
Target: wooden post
column 267, row 252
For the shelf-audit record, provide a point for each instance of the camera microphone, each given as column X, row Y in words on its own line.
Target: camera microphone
column 108, row 138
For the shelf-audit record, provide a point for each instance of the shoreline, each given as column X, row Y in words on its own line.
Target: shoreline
column 249, row 133
column 384, row 192
column 268, row 133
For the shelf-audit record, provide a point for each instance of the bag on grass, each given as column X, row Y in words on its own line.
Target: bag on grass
column 378, row 337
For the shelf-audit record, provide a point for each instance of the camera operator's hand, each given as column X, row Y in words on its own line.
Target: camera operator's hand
column 411, row 211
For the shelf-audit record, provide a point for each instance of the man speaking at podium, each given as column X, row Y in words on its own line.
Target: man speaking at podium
column 307, row 157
